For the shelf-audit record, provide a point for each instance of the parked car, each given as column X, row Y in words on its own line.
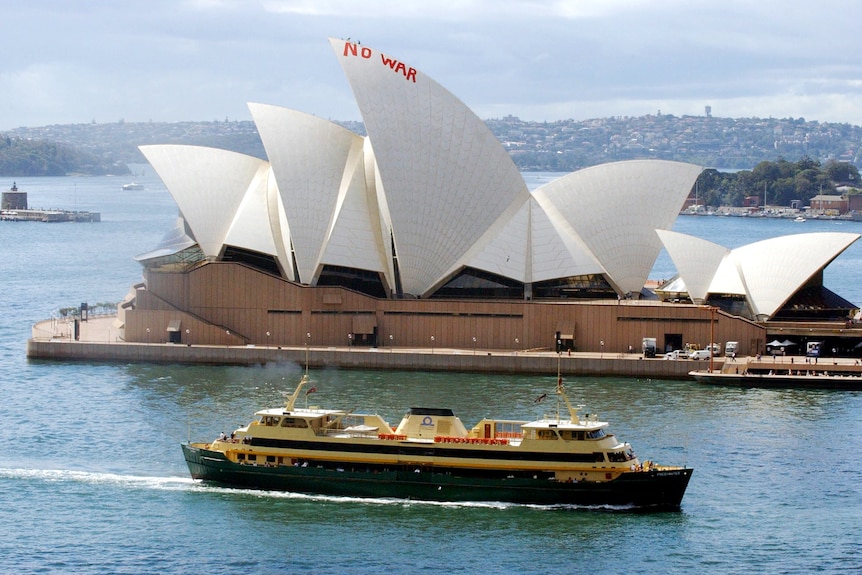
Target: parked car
column 699, row 354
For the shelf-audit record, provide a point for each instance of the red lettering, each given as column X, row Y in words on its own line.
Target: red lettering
column 396, row 66
column 350, row 49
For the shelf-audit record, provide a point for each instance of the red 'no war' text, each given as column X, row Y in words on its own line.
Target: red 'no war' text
column 351, row 49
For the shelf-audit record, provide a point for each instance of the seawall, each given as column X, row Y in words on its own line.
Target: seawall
column 384, row 358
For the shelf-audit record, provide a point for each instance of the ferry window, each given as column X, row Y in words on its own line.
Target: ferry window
column 507, row 429
column 270, row 458
column 618, row 456
column 240, row 456
column 599, row 456
column 293, row 422
column 596, row 434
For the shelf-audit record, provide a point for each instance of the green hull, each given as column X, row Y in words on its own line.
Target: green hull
column 657, row 489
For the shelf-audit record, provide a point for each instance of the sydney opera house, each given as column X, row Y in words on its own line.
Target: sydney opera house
column 424, row 233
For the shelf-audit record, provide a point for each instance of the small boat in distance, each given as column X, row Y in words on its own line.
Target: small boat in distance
column 799, row 219
column 430, row 455
column 132, row 186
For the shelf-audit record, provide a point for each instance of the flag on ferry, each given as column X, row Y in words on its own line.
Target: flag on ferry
column 541, row 398
column 312, row 389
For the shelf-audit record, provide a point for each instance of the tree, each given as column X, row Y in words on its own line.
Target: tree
column 780, row 182
column 841, row 172
column 22, row 157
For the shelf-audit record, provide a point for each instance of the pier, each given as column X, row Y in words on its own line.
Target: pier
column 50, row 216
column 97, row 339
column 14, row 208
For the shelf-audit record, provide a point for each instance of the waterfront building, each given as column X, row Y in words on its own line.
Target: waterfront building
column 422, row 233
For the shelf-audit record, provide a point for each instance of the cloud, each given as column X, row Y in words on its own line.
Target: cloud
column 541, row 60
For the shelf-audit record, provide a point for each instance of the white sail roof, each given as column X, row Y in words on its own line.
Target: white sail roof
column 615, row 209
column 310, row 158
column 355, row 238
column 696, row 260
column 208, row 186
column 245, row 230
column 767, row 272
column 429, row 178
column 774, row 269
column 557, row 250
column 447, row 178
column 506, row 253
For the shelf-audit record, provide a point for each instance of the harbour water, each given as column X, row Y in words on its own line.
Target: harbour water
column 92, row 479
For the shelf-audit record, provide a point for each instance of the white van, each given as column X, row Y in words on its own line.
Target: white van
column 699, row 354
column 730, row 348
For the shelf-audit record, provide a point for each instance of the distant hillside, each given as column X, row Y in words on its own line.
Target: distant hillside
column 30, row 157
column 560, row 146
column 721, row 143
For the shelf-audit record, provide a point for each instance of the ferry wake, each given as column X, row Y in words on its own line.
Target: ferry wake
column 431, row 455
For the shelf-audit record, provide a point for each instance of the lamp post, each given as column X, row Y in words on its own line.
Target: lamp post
column 349, row 339
column 711, row 335
column 267, row 338
column 391, row 342
column 432, row 344
column 602, row 347
column 307, row 343
column 516, row 346
column 188, row 337
column 474, row 345
column 148, row 336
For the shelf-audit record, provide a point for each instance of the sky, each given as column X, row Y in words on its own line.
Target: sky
column 82, row 61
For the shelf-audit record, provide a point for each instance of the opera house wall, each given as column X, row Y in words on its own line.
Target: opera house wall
column 232, row 304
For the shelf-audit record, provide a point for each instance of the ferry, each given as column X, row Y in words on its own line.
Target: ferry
column 431, row 455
